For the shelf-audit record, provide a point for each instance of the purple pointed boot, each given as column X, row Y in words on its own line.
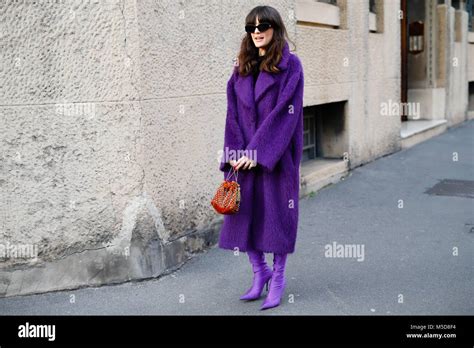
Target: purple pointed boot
column 277, row 283
column 261, row 275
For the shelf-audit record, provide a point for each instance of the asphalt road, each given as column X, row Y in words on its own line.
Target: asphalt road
column 418, row 259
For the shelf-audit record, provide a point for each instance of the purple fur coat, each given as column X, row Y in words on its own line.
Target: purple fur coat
column 268, row 123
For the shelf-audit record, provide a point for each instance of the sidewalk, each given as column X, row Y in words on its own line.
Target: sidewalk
column 408, row 253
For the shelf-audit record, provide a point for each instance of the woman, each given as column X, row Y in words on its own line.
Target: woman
column 264, row 142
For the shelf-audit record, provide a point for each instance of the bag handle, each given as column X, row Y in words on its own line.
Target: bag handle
column 234, row 172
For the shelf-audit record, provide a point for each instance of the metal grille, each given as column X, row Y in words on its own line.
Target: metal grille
column 309, row 136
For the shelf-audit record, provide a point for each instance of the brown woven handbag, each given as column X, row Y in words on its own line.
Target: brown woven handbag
column 227, row 198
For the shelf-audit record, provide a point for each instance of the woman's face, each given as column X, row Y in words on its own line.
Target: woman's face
column 261, row 39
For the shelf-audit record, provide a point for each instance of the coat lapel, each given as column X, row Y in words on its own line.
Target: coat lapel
column 265, row 82
column 244, row 90
column 244, row 84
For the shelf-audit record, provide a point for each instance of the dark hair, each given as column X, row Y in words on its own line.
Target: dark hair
column 273, row 51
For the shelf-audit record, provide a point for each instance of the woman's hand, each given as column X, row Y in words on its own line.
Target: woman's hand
column 244, row 162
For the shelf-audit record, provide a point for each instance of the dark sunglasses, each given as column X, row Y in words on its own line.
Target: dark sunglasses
column 261, row 27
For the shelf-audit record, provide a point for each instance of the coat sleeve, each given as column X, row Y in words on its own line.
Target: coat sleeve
column 273, row 136
column 233, row 138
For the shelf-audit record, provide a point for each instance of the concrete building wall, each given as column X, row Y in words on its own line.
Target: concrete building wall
column 470, row 74
column 470, row 49
column 452, row 52
column 459, row 82
column 363, row 68
column 471, row 60
column 70, row 137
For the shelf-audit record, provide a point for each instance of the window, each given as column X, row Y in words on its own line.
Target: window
column 470, row 13
column 470, row 105
column 321, row 13
column 372, row 6
column 324, row 133
column 375, row 16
